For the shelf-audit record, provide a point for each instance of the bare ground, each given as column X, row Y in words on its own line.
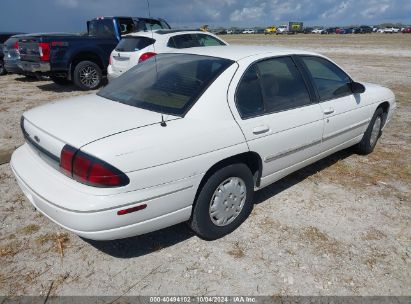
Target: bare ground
column 338, row 227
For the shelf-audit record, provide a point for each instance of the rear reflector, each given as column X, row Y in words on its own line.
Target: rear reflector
column 146, row 56
column 90, row 170
column 132, row 209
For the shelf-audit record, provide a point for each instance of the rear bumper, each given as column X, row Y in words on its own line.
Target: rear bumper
column 112, row 74
column 94, row 223
column 12, row 67
column 34, row 67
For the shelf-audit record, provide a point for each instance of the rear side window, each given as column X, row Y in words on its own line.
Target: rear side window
column 131, row 44
column 125, row 25
column 101, row 28
column 249, row 98
column 183, row 41
column 193, row 40
column 272, row 85
column 330, row 80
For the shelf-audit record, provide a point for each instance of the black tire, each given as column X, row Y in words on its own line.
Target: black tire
column 367, row 144
column 60, row 80
column 2, row 68
column 87, row 75
column 201, row 222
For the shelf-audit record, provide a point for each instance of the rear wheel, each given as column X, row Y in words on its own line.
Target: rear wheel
column 87, row 75
column 2, row 68
column 371, row 135
column 60, row 80
column 224, row 202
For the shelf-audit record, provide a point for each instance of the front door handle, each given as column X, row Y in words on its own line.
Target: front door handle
column 261, row 129
column 328, row 111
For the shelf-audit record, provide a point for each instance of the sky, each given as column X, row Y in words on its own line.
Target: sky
column 71, row 15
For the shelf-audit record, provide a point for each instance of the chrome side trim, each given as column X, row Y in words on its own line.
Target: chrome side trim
column 348, row 129
column 291, row 151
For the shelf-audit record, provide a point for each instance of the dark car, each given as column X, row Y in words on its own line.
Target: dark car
column 12, row 55
column 3, row 38
column 80, row 58
column 331, row 30
column 308, row 30
column 407, row 30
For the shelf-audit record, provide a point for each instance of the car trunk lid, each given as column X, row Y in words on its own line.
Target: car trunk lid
column 81, row 120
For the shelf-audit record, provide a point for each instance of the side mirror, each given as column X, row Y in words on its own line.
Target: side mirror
column 357, row 88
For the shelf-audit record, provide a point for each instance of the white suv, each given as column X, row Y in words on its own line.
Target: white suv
column 137, row 47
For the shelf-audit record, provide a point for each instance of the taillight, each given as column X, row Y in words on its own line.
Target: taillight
column 89, row 170
column 146, row 56
column 109, row 60
column 16, row 45
column 44, row 50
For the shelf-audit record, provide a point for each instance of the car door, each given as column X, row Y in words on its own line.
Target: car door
column 345, row 114
column 277, row 115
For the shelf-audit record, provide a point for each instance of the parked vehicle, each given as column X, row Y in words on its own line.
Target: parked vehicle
column 330, row 30
column 270, row 30
column 12, row 55
column 365, row 29
column 290, row 28
column 82, row 59
column 137, row 47
column 230, row 32
column 3, row 38
column 319, row 31
column 190, row 136
column 406, row 30
column 248, row 31
column 389, row 30
column 308, row 30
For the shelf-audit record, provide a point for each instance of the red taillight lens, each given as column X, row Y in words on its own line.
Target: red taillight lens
column 16, row 45
column 66, row 159
column 44, row 50
column 89, row 170
column 109, row 60
column 146, row 56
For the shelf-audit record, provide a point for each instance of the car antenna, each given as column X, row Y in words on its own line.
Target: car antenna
column 163, row 122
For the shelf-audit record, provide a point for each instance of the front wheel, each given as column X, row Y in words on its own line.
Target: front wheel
column 224, row 202
column 371, row 135
column 87, row 75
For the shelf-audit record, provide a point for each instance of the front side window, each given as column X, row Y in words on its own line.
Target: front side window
column 330, row 80
column 166, row 83
column 271, row 85
column 207, row 40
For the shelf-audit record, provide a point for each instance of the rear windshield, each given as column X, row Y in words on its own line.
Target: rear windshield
column 131, row 44
column 166, row 83
column 151, row 25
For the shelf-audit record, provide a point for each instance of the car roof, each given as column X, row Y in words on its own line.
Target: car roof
column 238, row 52
column 165, row 33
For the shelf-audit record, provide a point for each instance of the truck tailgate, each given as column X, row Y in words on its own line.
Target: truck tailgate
column 29, row 49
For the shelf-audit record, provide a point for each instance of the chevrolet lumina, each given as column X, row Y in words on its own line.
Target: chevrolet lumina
column 190, row 137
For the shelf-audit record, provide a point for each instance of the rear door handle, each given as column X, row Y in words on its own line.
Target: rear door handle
column 328, row 111
column 261, row 129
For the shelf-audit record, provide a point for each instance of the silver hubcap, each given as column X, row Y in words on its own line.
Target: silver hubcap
column 375, row 131
column 89, row 76
column 227, row 201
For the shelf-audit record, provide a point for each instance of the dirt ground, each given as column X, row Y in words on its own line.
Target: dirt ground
column 338, row 227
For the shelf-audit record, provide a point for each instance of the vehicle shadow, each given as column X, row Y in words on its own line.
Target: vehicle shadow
column 141, row 245
column 28, row 78
column 53, row 87
column 144, row 244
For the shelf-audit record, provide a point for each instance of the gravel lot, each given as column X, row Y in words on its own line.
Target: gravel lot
column 338, row 227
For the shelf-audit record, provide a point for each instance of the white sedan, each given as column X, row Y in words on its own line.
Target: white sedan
column 137, row 47
column 190, row 137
